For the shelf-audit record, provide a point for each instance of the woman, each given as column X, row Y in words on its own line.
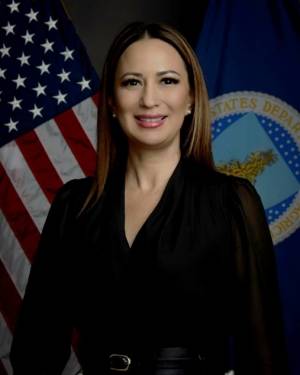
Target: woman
column 162, row 265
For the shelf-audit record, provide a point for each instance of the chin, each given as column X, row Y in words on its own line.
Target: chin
column 154, row 143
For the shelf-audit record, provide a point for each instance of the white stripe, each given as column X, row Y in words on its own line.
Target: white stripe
column 13, row 257
column 5, row 344
column 86, row 113
column 25, row 184
column 58, row 151
column 73, row 366
column 7, row 365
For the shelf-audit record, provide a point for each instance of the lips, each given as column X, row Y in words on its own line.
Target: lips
column 150, row 121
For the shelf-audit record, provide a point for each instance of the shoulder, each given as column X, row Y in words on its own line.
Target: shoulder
column 209, row 177
column 73, row 193
column 228, row 187
column 240, row 195
column 75, row 186
column 243, row 191
column 205, row 175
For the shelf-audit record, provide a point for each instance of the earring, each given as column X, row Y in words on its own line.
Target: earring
column 188, row 112
column 114, row 115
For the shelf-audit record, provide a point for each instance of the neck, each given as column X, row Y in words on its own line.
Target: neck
column 150, row 170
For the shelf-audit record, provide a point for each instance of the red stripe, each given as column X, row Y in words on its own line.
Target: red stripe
column 39, row 163
column 78, row 141
column 96, row 99
column 75, row 340
column 10, row 300
column 2, row 369
column 17, row 216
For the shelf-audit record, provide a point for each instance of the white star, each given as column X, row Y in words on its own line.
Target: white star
column 44, row 68
column 9, row 29
column 11, row 125
column 13, row 7
column 51, row 24
column 23, row 59
column 40, row 90
column 67, row 54
column 60, row 97
column 2, row 71
column 19, row 81
column 32, row 15
column 15, row 103
column 84, row 83
column 64, row 76
column 4, row 50
column 36, row 111
column 47, row 45
column 28, row 37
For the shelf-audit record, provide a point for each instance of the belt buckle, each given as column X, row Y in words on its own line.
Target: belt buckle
column 120, row 359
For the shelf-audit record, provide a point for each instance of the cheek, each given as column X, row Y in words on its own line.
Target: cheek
column 125, row 102
column 179, row 101
column 124, row 107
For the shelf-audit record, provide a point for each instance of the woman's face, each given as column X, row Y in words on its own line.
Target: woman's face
column 151, row 94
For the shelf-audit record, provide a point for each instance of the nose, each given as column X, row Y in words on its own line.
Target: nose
column 149, row 96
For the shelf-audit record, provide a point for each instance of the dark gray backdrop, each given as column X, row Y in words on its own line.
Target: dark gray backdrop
column 97, row 21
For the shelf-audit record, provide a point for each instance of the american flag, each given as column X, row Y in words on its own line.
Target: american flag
column 48, row 112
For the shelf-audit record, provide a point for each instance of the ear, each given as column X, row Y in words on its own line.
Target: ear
column 190, row 102
column 189, row 107
column 111, row 104
column 112, row 107
column 188, row 111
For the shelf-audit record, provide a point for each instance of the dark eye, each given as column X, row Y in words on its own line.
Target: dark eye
column 130, row 82
column 170, row 81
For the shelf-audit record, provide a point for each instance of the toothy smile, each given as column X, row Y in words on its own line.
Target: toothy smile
column 152, row 121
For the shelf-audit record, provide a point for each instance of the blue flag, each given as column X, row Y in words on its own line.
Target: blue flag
column 250, row 55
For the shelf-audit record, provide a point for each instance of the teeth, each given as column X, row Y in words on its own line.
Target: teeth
column 151, row 119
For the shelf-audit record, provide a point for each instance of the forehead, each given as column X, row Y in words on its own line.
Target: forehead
column 150, row 54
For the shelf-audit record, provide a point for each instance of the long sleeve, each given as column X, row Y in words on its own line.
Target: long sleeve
column 259, row 332
column 42, row 337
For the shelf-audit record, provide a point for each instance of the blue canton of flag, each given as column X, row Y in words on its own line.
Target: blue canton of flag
column 250, row 54
column 43, row 66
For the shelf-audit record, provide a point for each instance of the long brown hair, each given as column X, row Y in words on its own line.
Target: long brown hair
column 195, row 132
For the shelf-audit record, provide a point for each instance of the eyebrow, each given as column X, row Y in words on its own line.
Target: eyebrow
column 141, row 75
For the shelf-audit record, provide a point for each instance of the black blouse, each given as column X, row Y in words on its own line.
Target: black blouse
column 201, row 272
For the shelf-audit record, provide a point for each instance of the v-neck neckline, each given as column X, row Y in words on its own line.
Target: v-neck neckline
column 152, row 213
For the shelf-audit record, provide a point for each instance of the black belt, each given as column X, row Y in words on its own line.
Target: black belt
column 177, row 358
